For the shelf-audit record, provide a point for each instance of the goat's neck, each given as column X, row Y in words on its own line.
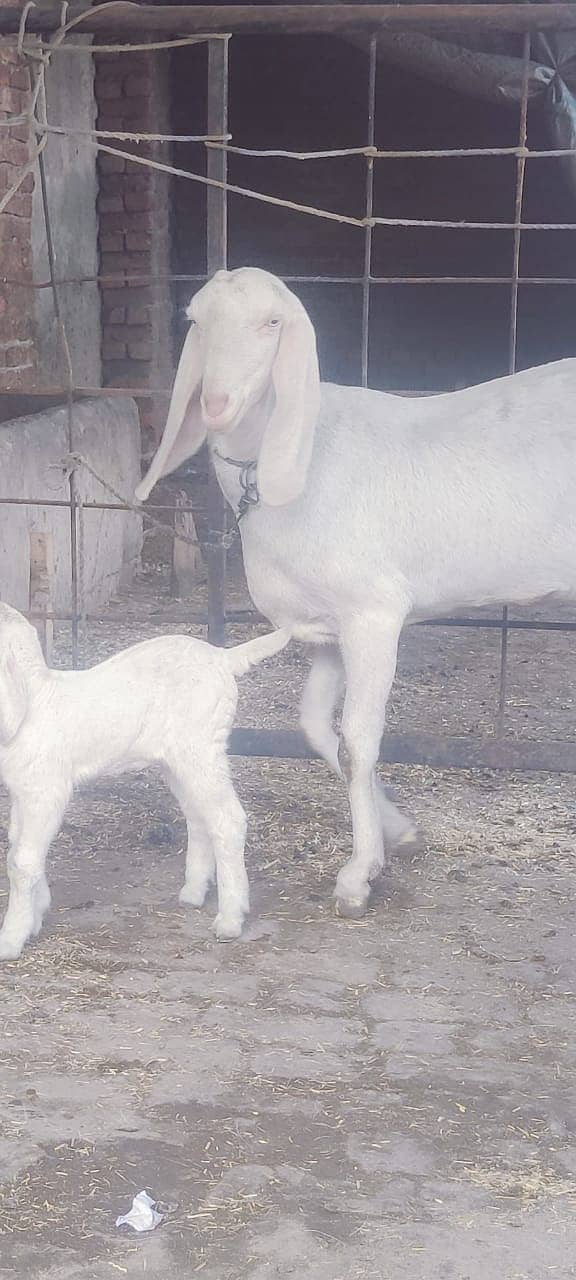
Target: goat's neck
column 240, row 445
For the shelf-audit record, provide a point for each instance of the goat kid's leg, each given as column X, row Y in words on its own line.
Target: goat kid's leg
column 225, row 820
column 324, row 687
column 200, row 861
column 32, row 828
column 369, row 650
column 200, row 864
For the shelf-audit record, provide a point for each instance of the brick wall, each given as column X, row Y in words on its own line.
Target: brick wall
column 132, row 94
column 17, row 355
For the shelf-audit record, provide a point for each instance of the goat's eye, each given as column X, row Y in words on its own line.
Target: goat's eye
column 273, row 322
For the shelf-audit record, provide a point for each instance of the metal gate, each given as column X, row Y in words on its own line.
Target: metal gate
column 122, row 20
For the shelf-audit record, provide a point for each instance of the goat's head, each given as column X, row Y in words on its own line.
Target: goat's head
column 20, row 657
column 249, row 337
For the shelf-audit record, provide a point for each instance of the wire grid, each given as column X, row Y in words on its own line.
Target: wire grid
column 218, row 144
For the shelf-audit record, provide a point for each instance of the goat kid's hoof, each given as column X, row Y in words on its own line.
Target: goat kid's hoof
column 351, row 908
column 227, row 930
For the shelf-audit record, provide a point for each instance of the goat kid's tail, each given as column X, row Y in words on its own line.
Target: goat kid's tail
column 244, row 656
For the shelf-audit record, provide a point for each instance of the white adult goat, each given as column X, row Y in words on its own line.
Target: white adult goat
column 372, row 510
column 168, row 702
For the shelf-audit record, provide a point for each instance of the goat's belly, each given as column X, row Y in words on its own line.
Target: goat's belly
column 480, row 593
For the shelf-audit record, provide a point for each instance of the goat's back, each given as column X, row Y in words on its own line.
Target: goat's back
column 451, row 500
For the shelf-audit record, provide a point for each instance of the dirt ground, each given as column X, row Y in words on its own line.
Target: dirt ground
column 388, row 1099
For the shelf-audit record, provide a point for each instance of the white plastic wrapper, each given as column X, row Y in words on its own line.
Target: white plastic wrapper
column 142, row 1216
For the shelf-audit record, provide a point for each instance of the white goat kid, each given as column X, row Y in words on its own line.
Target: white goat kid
column 363, row 511
column 168, row 702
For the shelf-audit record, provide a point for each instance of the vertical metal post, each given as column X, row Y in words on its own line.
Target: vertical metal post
column 217, row 258
column 371, row 134
column 512, row 350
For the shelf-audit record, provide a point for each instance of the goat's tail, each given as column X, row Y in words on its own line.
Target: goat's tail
column 244, row 656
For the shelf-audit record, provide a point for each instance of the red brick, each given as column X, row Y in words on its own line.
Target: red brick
column 13, row 228
column 121, row 295
column 138, row 241
column 125, row 373
column 11, row 100
column 9, row 53
column 124, row 221
column 15, row 76
column 138, row 315
column 138, row 180
column 111, row 115
column 112, row 164
column 21, row 132
column 138, row 200
column 111, row 241
column 109, row 205
column 133, row 264
column 112, row 264
column 114, row 315
column 112, row 345
column 20, row 205
column 141, row 350
column 14, row 152
column 16, row 261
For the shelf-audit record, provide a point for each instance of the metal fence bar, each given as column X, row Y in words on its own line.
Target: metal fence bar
column 371, row 134
column 216, row 258
column 436, row 751
column 513, row 337
column 144, row 278
column 251, row 617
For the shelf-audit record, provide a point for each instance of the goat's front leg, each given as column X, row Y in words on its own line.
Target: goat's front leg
column 34, row 823
column 369, row 650
column 323, row 689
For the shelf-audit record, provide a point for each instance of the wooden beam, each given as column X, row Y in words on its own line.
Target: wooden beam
column 125, row 19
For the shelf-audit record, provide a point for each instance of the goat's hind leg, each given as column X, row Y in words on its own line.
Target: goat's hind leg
column 324, row 687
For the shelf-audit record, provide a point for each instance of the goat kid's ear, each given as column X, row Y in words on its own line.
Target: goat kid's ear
column 184, row 431
column 287, row 445
column 13, row 696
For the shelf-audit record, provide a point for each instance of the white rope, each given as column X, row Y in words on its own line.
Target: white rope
column 329, row 215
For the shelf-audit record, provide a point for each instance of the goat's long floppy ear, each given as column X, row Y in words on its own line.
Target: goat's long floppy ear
column 13, row 696
column 287, row 445
column 184, row 431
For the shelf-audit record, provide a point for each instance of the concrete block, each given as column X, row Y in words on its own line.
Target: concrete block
column 107, row 434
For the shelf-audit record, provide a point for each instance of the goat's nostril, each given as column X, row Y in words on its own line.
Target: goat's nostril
column 214, row 406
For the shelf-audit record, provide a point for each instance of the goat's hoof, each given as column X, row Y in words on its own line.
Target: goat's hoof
column 189, row 897
column 227, row 930
column 351, row 908
column 10, row 950
column 410, row 844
